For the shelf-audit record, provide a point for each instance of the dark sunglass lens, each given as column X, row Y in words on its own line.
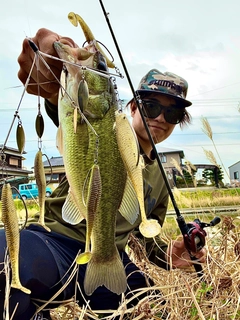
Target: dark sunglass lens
column 151, row 109
column 173, row 115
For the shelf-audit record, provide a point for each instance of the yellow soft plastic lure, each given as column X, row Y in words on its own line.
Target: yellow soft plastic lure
column 10, row 221
column 75, row 19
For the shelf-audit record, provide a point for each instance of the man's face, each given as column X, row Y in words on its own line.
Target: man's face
column 159, row 128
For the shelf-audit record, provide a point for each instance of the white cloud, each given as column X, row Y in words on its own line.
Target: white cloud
column 197, row 40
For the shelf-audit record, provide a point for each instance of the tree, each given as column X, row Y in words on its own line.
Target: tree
column 210, row 175
column 189, row 173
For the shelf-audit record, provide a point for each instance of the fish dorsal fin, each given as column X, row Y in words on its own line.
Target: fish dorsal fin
column 70, row 212
column 129, row 207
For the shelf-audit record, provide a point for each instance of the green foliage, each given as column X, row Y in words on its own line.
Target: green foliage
column 188, row 177
column 201, row 295
column 236, row 316
column 209, row 176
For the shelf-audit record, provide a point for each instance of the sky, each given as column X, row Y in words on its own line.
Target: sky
column 198, row 40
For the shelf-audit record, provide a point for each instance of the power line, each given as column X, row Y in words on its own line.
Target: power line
column 192, row 145
column 202, row 133
column 210, row 145
column 229, row 85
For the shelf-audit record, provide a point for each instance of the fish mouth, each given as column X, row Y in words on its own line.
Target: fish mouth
column 60, row 46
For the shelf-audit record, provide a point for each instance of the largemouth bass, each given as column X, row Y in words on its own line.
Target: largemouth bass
column 10, row 221
column 41, row 183
column 86, row 138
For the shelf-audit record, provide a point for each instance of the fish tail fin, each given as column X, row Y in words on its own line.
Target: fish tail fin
column 110, row 273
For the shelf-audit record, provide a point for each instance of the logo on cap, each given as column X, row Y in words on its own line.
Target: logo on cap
column 167, row 83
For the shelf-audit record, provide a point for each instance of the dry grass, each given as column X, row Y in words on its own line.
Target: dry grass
column 179, row 294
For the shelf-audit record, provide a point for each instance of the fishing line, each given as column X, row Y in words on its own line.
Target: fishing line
column 40, row 55
column 18, row 107
column 103, row 73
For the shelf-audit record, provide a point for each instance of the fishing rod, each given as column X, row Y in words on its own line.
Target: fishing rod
column 193, row 233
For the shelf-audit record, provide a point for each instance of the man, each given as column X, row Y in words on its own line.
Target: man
column 46, row 259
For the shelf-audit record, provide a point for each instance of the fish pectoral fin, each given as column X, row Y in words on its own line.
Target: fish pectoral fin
column 70, row 212
column 110, row 273
column 129, row 207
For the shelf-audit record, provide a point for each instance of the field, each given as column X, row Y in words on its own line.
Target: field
column 181, row 294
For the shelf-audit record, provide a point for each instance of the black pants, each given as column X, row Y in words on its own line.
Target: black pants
column 45, row 258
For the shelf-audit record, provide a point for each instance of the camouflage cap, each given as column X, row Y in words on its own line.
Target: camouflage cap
column 167, row 83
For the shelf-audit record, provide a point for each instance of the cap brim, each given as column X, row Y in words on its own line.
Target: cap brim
column 185, row 103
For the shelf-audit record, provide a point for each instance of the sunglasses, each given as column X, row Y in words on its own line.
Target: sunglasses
column 152, row 109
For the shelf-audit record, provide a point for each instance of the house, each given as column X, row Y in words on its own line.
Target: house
column 11, row 161
column 234, row 172
column 54, row 167
column 54, row 171
column 168, row 157
column 172, row 158
column 11, row 164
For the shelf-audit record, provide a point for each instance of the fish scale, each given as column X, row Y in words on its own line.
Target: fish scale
column 74, row 157
column 105, row 263
column 87, row 139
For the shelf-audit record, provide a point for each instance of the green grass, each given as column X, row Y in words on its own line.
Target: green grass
column 206, row 198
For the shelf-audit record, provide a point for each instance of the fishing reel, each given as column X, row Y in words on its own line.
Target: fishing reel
column 194, row 234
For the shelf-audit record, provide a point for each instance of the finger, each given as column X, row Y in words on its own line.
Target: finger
column 47, row 91
column 69, row 42
column 25, row 61
column 201, row 256
column 39, row 84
